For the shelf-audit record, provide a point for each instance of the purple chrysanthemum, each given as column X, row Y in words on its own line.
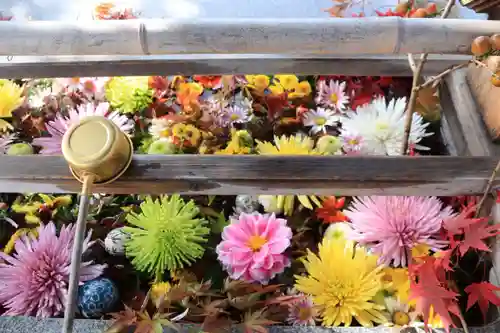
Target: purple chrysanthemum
column 392, row 225
column 34, row 281
column 56, row 128
column 302, row 312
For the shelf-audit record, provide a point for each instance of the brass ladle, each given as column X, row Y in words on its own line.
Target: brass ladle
column 97, row 152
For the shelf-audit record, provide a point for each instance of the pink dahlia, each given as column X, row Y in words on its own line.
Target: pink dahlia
column 56, row 128
column 34, row 281
column 252, row 247
column 392, row 226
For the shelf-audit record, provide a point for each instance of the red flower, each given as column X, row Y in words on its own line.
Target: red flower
column 331, row 210
column 208, row 81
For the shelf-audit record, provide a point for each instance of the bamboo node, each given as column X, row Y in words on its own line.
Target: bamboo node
column 143, row 39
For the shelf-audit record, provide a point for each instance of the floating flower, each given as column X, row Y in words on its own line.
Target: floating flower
column 399, row 314
column 165, row 235
column 129, row 94
column 252, row 247
column 208, row 81
column 236, row 114
column 329, row 145
column 258, row 82
column 345, row 293
column 339, row 230
column 189, row 93
column 94, row 87
column 287, row 145
column 162, row 147
column 56, row 128
column 392, row 225
column 302, row 312
column 38, row 98
column 186, row 134
column 332, row 95
column 159, row 290
column 351, row 143
column 331, row 210
column 302, row 89
column 286, row 203
column 10, row 99
column 34, row 281
column 286, row 81
column 161, row 128
column 241, row 143
column 319, row 119
column 381, row 127
column 397, row 281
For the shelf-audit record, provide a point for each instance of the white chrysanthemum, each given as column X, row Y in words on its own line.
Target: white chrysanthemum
column 381, row 127
column 160, row 128
column 38, row 97
column 318, row 119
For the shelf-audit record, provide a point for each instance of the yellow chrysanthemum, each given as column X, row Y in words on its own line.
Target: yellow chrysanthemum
column 288, row 82
column 397, row 281
column 302, row 89
column 287, row 145
column 258, row 82
column 343, row 281
column 286, row 203
column 159, row 290
column 240, row 144
column 10, row 99
column 9, row 247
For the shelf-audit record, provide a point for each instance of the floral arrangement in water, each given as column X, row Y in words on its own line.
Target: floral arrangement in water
column 252, row 261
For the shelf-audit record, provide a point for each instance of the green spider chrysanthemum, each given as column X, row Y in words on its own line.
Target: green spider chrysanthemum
column 129, row 94
column 166, row 235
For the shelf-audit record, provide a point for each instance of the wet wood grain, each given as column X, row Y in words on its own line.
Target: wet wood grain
column 229, row 175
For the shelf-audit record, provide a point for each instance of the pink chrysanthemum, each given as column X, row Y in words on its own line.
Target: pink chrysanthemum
column 34, row 281
column 56, row 128
column 302, row 312
column 252, row 247
column 332, row 95
column 392, row 225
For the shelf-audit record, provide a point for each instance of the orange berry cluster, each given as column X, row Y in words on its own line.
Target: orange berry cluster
column 405, row 9
column 482, row 47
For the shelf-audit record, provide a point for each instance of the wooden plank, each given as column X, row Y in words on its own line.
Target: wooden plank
column 210, row 64
column 468, row 115
column 210, row 174
column 371, row 35
column 487, row 96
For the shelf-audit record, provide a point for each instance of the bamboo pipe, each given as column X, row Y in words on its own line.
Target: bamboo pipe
column 373, row 35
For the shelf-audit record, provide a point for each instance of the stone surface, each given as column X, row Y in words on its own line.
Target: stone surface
column 33, row 325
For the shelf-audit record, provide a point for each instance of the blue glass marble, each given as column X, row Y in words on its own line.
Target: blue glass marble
column 97, row 297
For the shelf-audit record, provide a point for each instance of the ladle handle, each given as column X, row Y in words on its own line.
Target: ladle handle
column 76, row 255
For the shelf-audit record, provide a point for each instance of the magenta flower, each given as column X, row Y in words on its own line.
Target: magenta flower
column 56, row 128
column 392, row 225
column 34, row 281
column 252, row 247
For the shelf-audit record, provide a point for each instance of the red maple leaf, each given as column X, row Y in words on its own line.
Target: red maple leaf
column 482, row 293
column 427, row 288
column 455, row 225
column 474, row 236
column 276, row 104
